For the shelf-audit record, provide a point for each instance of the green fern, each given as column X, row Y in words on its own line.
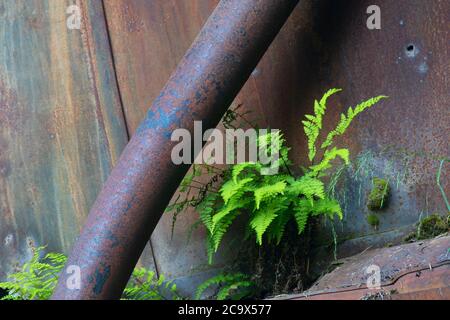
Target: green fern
column 38, row 278
column 232, row 286
column 277, row 228
column 232, row 187
column 144, row 285
column 329, row 156
column 262, row 218
column 302, row 210
column 313, row 123
column 240, row 167
column 267, row 191
column 346, row 119
column 269, row 202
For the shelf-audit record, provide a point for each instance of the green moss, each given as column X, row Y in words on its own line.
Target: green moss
column 379, row 195
column 373, row 220
column 432, row 226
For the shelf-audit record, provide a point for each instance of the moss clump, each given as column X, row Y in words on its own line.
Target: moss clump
column 379, row 195
column 432, row 226
column 373, row 220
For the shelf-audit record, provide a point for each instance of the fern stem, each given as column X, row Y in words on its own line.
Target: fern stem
column 213, row 167
column 204, row 185
column 198, row 188
column 438, row 180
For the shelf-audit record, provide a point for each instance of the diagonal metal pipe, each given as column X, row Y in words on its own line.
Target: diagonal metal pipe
column 139, row 188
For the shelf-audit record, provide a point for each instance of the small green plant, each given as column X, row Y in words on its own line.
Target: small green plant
column 438, row 181
column 229, row 286
column 38, row 277
column 271, row 201
column 379, row 195
column 145, row 285
column 430, row 227
column 373, row 220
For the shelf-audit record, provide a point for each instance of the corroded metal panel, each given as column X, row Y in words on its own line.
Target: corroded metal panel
column 324, row 44
column 61, row 124
column 140, row 186
column 418, row 270
column 401, row 140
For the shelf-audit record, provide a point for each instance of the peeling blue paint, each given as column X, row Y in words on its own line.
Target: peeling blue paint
column 100, row 279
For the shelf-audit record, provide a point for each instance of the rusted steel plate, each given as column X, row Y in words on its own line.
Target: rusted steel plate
column 400, row 140
column 145, row 57
column 149, row 38
column 61, row 124
column 323, row 44
column 429, row 286
column 417, row 270
column 140, row 186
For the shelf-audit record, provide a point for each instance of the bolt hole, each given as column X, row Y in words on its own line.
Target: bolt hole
column 410, row 48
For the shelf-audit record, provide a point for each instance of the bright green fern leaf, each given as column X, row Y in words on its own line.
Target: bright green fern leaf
column 230, row 188
column 329, row 156
column 329, row 207
column 268, row 191
column 345, row 121
column 313, row 124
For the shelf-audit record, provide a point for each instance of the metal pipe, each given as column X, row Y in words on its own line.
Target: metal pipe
column 141, row 185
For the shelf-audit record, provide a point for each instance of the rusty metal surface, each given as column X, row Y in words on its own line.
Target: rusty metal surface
column 324, row 43
column 148, row 39
column 430, row 285
column 415, row 270
column 204, row 84
column 61, row 124
column 400, row 140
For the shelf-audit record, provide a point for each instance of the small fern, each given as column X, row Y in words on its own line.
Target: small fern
column 346, row 119
column 38, row 278
column 144, row 285
column 269, row 202
column 313, row 123
column 231, row 286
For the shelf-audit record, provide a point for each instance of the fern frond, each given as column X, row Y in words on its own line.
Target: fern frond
column 230, row 188
column 308, row 186
column 305, row 208
column 313, row 123
column 328, row 207
column 278, row 226
column 329, row 156
column 268, row 191
column 302, row 210
column 261, row 221
column 226, row 292
column 221, row 227
column 210, row 247
column 346, row 119
column 229, row 281
column 206, row 210
column 231, row 206
column 238, row 168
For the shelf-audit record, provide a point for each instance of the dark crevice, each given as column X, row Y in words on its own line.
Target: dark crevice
column 108, row 35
